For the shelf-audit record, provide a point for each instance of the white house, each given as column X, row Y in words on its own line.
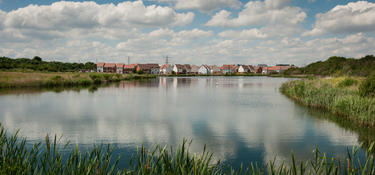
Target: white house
column 120, row 68
column 148, row 68
column 179, row 69
column 100, row 67
column 243, row 69
column 166, row 69
column 204, row 69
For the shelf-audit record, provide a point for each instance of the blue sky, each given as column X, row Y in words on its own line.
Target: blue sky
column 190, row 31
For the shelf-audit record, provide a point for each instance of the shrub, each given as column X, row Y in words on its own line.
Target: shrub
column 56, row 78
column 348, row 82
column 367, row 87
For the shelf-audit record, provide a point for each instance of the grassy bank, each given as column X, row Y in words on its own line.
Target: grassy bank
column 38, row 79
column 47, row 158
column 340, row 95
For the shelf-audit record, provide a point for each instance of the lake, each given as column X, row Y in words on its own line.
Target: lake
column 240, row 119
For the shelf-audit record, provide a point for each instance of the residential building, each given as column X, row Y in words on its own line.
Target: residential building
column 129, row 68
column 179, row 69
column 275, row 69
column 204, row 69
column 100, row 67
column 166, row 69
column 148, row 68
column 120, row 68
column 188, row 68
column 227, row 69
column 214, row 69
column 257, row 69
column 243, row 69
column 194, row 69
column 109, row 67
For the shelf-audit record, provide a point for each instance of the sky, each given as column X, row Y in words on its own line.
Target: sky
column 188, row 31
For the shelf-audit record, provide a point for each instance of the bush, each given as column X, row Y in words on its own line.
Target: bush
column 348, row 82
column 57, row 78
column 367, row 87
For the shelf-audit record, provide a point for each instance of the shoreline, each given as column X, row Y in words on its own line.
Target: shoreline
column 10, row 80
column 18, row 79
column 327, row 94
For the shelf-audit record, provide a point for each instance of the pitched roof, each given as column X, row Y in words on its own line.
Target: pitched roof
column 148, row 66
column 245, row 67
column 205, row 66
column 276, row 68
column 180, row 66
column 256, row 68
column 130, row 66
column 187, row 66
column 227, row 66
column 164, row 66
column 194, row 68
column 120, row 64
column 110, row 65
column 101, row 64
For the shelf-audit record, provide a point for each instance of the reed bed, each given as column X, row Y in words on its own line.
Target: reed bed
column 62, row 79
column 18, row 158
column 338, row 95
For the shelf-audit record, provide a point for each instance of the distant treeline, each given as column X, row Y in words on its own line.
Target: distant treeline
column 364, row 66
column 37, row 64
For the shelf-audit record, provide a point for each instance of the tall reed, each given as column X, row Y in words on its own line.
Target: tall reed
column 18, row 158
column 338, row 95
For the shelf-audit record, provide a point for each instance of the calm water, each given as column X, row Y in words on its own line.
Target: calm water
column 240, row 119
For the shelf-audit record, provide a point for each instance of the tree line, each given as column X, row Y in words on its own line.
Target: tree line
column 335, row 65
column 37, row 64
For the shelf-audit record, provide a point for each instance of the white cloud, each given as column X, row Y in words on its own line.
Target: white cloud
column 259, row 13
column 276, row 3
column 207, row 5
column 243, row 34
column 83, row 31
column 65, row 15
column 351, row 18
column 2, row 18
column 163, row 38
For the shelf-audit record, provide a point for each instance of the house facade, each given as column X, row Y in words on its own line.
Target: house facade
column 214, row 69
column 187, row 68
column 100, row 67
column 275, row 69
column 257, row 69
column 166, row 69
column 179, row 69
column 194, row 69
column 243, row 69
column 204, row 69
column 228, row 69
column 129, row 68
column 120, row 68
column 148, row 68
column 109, row 68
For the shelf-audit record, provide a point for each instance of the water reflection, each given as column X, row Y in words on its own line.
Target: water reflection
column 240, row 119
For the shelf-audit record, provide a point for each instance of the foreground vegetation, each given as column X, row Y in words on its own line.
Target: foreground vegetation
column 351, row 98
column 338, row 66
column 38, row 79
column 18, row 158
